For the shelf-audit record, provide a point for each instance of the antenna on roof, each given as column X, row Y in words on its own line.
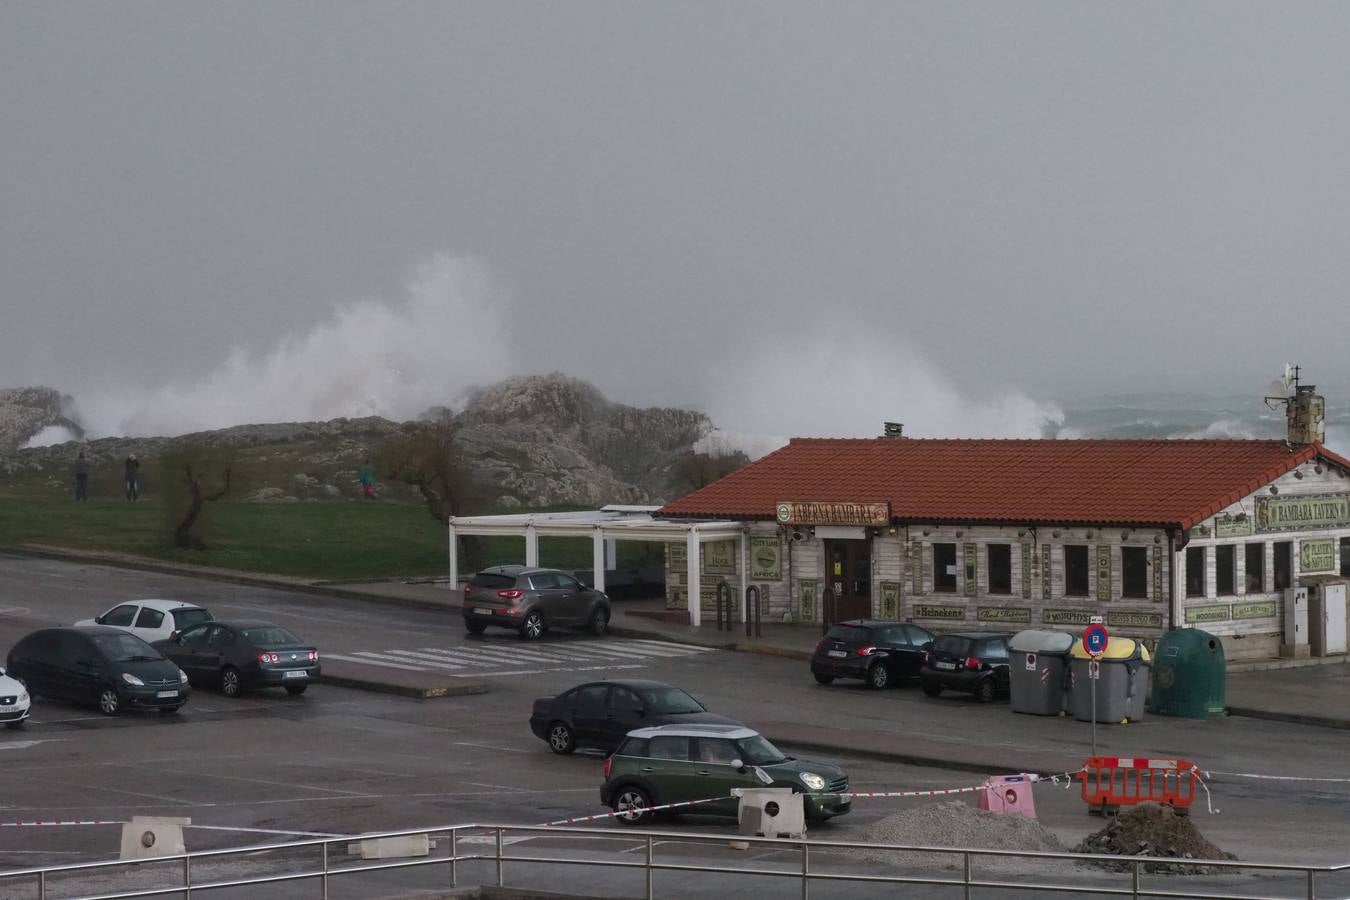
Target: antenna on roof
column 1304, row 408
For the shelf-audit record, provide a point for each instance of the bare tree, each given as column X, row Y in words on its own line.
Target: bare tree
column 426, row 455
column 198, row 496
column 694, row 470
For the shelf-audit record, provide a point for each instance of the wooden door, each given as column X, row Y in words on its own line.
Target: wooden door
column 848, row 573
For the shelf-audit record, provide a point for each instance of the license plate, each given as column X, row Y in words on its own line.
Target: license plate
column 944, row 665
column 839, row 653
column 300, row 673
column 166, row 694
column 484, row 610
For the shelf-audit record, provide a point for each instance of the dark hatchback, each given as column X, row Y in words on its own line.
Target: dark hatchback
column 973, row 662
column 879, row 653
column 601, row 714
column 238, row 656
column 98, row 664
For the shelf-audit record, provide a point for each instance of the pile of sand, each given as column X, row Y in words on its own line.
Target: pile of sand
column 955, row 824
column 1155, row 831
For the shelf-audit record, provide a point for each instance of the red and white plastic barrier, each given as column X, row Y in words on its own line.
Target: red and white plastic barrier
column 56, row 824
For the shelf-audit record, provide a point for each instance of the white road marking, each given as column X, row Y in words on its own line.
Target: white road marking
column 542, row 671
column 24, row 745
column 490, row 747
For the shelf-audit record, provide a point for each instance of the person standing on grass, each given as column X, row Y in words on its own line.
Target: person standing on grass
column 81, row 477
column 133, row 467
column 367, row 477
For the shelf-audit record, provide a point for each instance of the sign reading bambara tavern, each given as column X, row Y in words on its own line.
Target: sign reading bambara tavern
column 798, row 512
column 1297, row 513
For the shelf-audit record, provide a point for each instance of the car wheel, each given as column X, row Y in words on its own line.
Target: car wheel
column 599, row 621
column 878, row 677
column 475, row 627
column 932, row 689
column 823, row 679
column 533, row 627
column 295, row 690
column 109, row 703
column 231, row 685
column 633, row 805
column 560, row 738
column 18, row 724
column 984, row 691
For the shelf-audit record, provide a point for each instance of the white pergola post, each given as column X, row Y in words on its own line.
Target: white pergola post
column 611, row 553
column 454, row 558
column 695, row 589
column 598, row 543
column 531, row 546
column 745, row 577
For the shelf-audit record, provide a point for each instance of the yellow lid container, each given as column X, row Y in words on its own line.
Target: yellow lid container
column 1116, row 648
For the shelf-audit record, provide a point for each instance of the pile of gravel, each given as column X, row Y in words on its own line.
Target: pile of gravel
column 1155, row 831
column 956, row 824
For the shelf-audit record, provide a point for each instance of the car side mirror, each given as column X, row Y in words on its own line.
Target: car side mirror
column 98, row 620
column 927, row 645
column 739, row 766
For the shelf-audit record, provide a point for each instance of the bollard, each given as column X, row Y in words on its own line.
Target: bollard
column 725, row 611
column 754, row 612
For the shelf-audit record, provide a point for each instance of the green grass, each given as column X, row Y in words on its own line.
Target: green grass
column 335, row 540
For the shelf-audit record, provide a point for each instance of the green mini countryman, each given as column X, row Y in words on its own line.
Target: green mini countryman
column 678, row 763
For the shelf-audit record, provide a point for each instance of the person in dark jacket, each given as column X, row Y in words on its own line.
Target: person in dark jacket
column 133, row 467
column 81, row 477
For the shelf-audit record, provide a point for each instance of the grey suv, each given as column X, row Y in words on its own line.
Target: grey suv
column 531, row 600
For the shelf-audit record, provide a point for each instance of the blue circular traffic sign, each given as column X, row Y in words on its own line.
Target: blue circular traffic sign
column 1094, row 639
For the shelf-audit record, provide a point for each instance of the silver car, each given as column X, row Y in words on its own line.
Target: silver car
column 531, row 600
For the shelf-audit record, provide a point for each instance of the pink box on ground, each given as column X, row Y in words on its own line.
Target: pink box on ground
column 1009, row 794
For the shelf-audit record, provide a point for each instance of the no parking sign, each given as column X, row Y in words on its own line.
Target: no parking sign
column 1095, row 639
column 1031, row 662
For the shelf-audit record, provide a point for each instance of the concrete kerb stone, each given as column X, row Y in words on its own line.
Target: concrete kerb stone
column 376, row 686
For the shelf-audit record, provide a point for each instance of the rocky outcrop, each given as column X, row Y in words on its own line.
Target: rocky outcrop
column 24, row 412
column 531, row 442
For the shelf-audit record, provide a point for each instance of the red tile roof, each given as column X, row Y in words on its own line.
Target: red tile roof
column 1109, row 482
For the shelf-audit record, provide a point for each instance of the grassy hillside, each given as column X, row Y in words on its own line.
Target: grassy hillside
column 321, row 539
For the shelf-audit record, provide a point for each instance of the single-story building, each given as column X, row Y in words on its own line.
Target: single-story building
column 1010, row 534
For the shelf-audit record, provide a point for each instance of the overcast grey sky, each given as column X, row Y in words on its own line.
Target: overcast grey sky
column 1037, row 198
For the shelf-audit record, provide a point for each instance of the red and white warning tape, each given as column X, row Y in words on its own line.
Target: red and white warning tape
column 53, row 824
column 623, row 812
column 1208, row 773
column 939, row 793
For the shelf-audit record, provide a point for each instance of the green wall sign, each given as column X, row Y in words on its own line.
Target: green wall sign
column 1045, row 573
column 1026, row 571
column 1232, row 526
column 1264, row 609
column 1103, row 572
column 766, row 559
column 1302, row 513
column 1316, row 556
column 1065, row 616
column 890, row 599
column 806, row 591
column 1129, row 619
column 1017, row 615
column 719, row 558
column 971, row 583
column 916, row 567
column 1157, row 574
column 678, row 554
column 946, row 613
column 1218, row 613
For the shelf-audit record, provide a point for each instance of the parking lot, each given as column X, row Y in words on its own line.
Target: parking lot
column 269, row 766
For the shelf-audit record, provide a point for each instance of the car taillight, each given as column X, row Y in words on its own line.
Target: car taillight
column 866, row 651
column 819, row 646
column 314, row 656
column 266, row 657
column 511, row 594
column 468, row 589
column 972, row 663
column 609, row 761
column 927, row 658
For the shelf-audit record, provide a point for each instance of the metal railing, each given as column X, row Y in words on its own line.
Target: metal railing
column 802, row 853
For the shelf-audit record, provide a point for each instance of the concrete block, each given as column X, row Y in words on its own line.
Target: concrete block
column 392, row 848
column 149, row 836
column 1009, row 794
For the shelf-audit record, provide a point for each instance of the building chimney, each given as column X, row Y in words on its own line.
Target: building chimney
column 893, row 429
column 1306, row 415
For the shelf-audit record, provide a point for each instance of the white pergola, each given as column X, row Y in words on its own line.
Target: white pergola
column 604, row 527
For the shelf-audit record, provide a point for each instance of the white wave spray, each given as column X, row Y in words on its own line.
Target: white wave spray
column 847, row 385
column 374, row 357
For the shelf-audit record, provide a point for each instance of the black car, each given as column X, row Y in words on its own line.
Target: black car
column 975, row 662
column 238, row 656
column 98, row 664
column 602, row 713
column 531, row 600
column 880, row 653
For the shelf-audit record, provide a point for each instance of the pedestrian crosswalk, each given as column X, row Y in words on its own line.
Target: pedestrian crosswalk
column 486, row 659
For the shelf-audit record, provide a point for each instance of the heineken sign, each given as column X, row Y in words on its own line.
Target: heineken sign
column 1309, row 511
column 801, row 512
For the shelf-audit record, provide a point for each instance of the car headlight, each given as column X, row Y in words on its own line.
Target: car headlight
column 23, row 696
column 132, row 679
column 813, row 781
column 182, row 677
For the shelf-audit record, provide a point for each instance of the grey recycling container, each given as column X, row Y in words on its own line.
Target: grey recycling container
column 1121, row 687
column 1038, row 671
